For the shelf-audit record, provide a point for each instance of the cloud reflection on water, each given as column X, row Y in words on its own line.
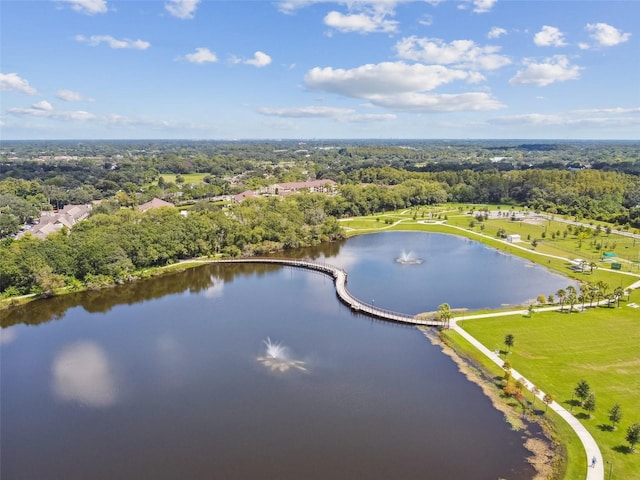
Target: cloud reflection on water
column 8, row 335
column 82, row 373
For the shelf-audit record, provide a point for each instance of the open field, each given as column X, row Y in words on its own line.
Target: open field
column 555, row 350
column 189, row 178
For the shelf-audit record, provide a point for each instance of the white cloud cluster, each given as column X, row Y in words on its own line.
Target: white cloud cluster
column 398, row 85
column 95, row 40
column 462, row 53
column 606, row 35
column 12, row 82
column 259, row 60
column 339, row 114
column 483, row 6
column 88, row 7
column 184, row 9
column 549, row 37
column 202, row 55
column 360, row 22
column 496, row 32
column 71, row 96
column 593, row 118
column 45, row 110
column 554, row 69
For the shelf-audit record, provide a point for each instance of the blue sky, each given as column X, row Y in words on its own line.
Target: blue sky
column 212, row 69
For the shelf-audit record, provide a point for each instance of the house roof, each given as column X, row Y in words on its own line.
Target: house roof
column 154, row 203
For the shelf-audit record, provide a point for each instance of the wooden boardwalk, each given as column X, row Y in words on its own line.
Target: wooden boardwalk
column 340, row 282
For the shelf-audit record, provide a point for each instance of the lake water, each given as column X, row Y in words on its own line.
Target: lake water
column 170, row 378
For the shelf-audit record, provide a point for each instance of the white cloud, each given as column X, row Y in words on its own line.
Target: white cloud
column 339, row 114
column 549, row 37
column 606, row 35
column 575, row 119
column 71, row 96
column 421, row 102
column 463, row 53
column 95, row 40
column 360, row 22
column 183, row 9
column 202, row 55
column 260, row 59
column 37, row 110
column 9, row 334
column 554, row 69
column 88, row 7
column 483, row 6
column 607, row 111
column 82, row 373
column 381, row 78
column 11, row 82
column 42, row 105
column 306, row 112
column 402, row 87
column 290, row 6
column 496, row 32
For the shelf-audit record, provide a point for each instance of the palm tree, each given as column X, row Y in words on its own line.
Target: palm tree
column 618, row 292
column 561, row 294
column 572, row 296
column 593, row 266
column 444, row 314
column 509, row 341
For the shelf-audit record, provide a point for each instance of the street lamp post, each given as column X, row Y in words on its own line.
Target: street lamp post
column 610, row 468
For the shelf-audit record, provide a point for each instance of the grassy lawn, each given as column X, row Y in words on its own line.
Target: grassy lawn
column 576, row 467
column 556, row 350
column 189, row 178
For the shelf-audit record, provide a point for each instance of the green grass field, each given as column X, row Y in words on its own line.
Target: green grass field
column 189, row 178
column 556, row 350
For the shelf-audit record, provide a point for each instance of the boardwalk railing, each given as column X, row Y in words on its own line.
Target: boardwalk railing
column 340, row 281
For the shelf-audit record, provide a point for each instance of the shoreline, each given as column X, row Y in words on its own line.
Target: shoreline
column 543, row 450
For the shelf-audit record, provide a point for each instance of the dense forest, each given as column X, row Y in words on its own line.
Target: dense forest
column 583, row 180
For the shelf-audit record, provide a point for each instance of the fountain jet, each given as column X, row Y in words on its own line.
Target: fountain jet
column 407, row 258
column 277, row 358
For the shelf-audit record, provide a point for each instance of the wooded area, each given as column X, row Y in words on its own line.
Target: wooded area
column 598, row 181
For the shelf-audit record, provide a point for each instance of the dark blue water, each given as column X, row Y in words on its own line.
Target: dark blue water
column 163, row 379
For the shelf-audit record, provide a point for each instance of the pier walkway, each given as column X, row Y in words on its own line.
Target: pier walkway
column 340, row 282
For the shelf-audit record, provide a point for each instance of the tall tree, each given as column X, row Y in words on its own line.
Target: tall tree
column 590, row 404
column 509, row 340
column 444, row 314
column 633, row 435
column 582, row 391
column 615, row 415
column 561, row 294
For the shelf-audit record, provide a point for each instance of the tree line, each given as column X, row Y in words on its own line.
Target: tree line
column 113, row 248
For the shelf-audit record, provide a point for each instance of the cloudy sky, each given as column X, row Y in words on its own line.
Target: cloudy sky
column 234, row 69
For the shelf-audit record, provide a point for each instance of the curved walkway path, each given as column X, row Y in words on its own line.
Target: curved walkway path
column 340, row 282
column 594, row 471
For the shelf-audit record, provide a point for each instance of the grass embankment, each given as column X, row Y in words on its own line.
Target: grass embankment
column 555, row 350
